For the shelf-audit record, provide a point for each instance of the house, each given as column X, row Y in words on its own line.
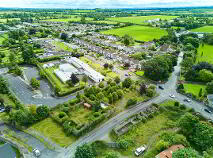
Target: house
column 168, row 152
column 86, row 105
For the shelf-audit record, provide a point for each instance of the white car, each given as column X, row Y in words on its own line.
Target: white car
column 140, row 150
column 36, row 152
column 172, row 96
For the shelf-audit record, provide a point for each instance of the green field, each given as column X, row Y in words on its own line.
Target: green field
column 141, row 19
column 141, row 33
column 205, row 53
column 5, row 20
column 205, row 29
column 194, row 88
column 53, row 131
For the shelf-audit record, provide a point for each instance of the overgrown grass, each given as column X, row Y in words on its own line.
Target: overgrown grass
column 205, row 53
column 141, row 33
column 54, row 132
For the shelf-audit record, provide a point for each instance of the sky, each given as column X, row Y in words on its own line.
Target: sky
column 90, row 4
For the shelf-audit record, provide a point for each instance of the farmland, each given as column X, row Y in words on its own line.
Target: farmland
column 141, row 33
column 140, row 19
column 205, row 53
column 75, row 19
column 206, row 29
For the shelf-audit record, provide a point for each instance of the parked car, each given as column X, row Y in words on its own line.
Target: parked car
column 126, row 75
column 172, row 96
column 187, row 100
column 36, row 152
column 2, row 109
column 208, row 111
column 140, row 150
column 160, row 87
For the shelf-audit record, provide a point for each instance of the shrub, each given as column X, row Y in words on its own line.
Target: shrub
column 101, row 84
column 131, row 102
column 176, row 104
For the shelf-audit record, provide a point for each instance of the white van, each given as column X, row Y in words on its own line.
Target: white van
column 140, row 150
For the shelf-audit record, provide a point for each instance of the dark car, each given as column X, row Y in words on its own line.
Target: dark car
column 208, row 111
column 160, row 87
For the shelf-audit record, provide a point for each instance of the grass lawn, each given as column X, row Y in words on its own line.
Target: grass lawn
column 141, row 33
column 194, row 88
column 207, row 56
column 139, row 73
column 54, row 132
column 141, row 19
column 205, row 29
column 60, row 46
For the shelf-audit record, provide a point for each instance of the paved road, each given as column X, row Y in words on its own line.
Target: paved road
column 170, row 88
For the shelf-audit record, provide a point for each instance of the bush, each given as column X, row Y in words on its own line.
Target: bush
column 127, row 83
column 176, row 104
column 131, row 102
column 101, row 84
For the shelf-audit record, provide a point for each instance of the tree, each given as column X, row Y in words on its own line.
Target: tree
column 101, row 84
column 74, row 79
column 187, row 63
column 35, row 83
column 117, row 79
column 185, row 153
column 205, row 75
column 64, row 36
column 85, row 151
column 150, row 92
column 127, row 82
column 106, row 65
column 187, row 123
column 115, row 96
column 27, row 54
column 209, row 87
column 142, row 89
column 83, row 19
column 85, row 78
column 3, row 86
column 112, row 155
column 201, row 92
column 127, row 40
column 120, row 93
column 131, row 101
column 42, row 111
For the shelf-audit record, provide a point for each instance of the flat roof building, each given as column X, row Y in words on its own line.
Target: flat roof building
column 65, row 71
column 90, row 72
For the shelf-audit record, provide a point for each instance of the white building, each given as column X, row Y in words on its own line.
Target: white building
column 91, row 73
column 65, row 71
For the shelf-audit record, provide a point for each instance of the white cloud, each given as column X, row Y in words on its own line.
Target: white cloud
column 102, row 3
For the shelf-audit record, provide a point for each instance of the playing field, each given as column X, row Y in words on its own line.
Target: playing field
column 141, row 19
column 205, row 53
column 141, row 33
column 207, row 29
